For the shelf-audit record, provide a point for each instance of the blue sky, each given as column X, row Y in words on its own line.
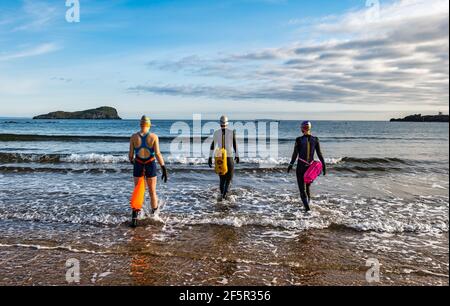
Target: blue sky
column 283, row 59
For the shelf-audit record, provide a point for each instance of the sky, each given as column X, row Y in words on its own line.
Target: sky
column 249, row 59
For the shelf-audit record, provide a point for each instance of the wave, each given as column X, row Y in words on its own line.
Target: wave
column 100, row 138
column 367, row 169
column 62, row 138
column 376, row 160
column 92, row 158
column 167, row 138
column 245, row 170
column 86, row 163
column 248, row 207
column 316, row 221
column 7, row 169
column 28, row 158
column 339, row 138
column 95, row 158
column 86, row 138
column 6, row 157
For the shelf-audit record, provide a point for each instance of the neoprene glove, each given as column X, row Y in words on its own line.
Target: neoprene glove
column 164, row 174
column 210, row 162
column 290, row 168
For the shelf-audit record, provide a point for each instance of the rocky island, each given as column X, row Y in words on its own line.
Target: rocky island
column 419, row 118
column 101, row 113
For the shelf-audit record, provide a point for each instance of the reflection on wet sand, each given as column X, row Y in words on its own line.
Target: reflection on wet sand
column 218, row 255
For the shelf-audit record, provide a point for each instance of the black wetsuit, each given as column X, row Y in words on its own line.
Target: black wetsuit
column 305, row 148
column 225, row 180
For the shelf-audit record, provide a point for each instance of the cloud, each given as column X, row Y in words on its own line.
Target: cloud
column 35, row 15
column 253, row 56
column 401, row 58
column 368, row 21
column 312, row 92
column 35, row 51
column 62, row 79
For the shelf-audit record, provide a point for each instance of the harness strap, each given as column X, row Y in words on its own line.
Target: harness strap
column 302, row 160
column 143, row 142
column 223, row 139
column 308, row 148
column 145, row 162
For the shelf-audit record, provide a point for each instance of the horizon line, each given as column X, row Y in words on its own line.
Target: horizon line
column 190, row 119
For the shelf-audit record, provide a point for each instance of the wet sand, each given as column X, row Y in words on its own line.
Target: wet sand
column 218, row 255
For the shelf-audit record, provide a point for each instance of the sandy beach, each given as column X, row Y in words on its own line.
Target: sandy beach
column 212, row 255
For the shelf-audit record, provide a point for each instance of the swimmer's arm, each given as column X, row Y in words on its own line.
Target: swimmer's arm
column 319, row 154
column 235, row 146
column 213, row 145
column 131, row 152
column 295, row 154
column 158, row 154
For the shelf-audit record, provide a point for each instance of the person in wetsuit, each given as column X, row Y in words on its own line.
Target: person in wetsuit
column 305, row 148
column 144, row 152
column 231, row 146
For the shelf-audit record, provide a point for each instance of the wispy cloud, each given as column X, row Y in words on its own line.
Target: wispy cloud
column 36, row 15
column 399, row 58
column 399, row 13
column 34, row 51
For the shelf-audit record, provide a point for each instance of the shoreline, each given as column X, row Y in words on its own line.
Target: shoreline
column 315, row 258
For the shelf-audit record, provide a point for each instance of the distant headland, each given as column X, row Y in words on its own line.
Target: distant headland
column 101, row 113
column 419, row 118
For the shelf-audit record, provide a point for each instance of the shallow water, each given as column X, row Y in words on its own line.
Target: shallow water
column 386, row 197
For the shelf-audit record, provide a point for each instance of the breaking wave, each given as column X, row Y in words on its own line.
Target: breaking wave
column 109, row 138
column 64, row 163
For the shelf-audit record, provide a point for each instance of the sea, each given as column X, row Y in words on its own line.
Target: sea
column 65, row 188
